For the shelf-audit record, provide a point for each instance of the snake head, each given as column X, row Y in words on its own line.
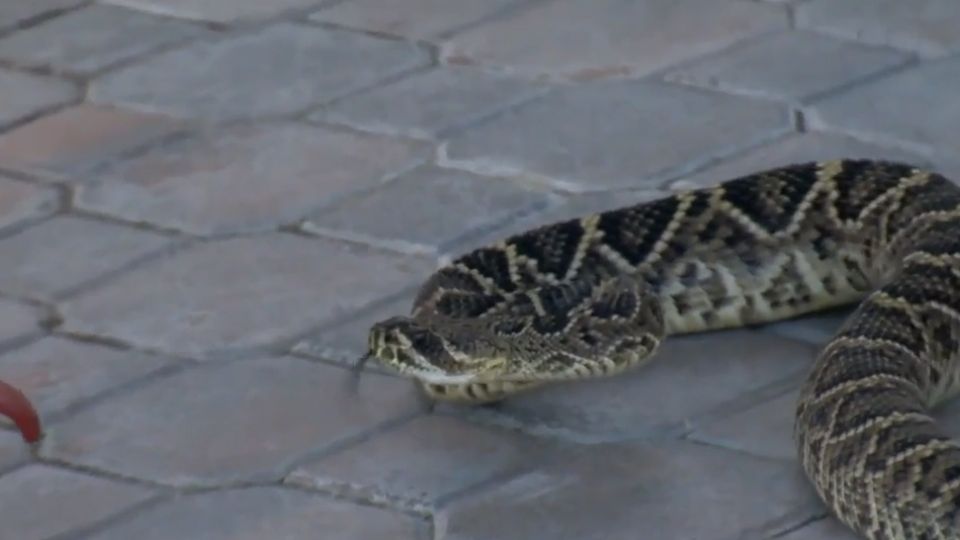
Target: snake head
column 417, row 351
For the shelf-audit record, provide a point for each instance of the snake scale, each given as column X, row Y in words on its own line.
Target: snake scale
column 593, row 296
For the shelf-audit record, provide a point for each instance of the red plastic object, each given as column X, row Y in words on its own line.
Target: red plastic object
column 16, row 406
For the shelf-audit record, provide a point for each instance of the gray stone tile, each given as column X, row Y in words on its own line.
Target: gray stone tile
column 245, row 178
column 795, row 148
column 37, row 265
column 279, row 69
column 591, row 39
column 611, row 492
column 14, row 13
column 56, row 373
column 20, row 201
column 816, row 328
column 689, row 377
column 458, row 207
column 93, row 38
column 422, row 461
column 41, row 502
column 223, row 11
column 13, row 450
column 765, row 429
column 418, row 19
column 826, row 529
column 926, row 26
column 228, row 422
column 431, row 104
column 263, row 512
column 239, row 293
column 18, row 320
column 26, row 95
column 915, row 106
column 615, row 134
column 791, row 65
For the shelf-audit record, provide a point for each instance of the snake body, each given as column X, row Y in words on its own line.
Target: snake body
column 594, row 296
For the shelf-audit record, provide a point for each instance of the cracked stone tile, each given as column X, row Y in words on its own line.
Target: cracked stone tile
column 765, row 429
column 36, row 267
column 422, row 461
column 26, row 95
column 926, row 26
column 419, row 19
column 68, row 143
column 239, row 421
column 22, row 201
column 57, row 373
column 263, row 512
column 221, row 296
column 278, row 69
column 214, row 182
column 221, row 11
column 610, row 492
column 878, row 110
column 462, row 206
column 816, row 64
column 689, row 377
column 18, row 320
column 431, row 104
column 600, row 136
column 93, row 38
column 38, row 501
column 14, row 13
column 592, row 39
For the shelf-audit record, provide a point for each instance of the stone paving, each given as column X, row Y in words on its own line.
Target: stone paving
column 205, row 203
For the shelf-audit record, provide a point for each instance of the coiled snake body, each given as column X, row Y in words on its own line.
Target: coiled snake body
column 594, row 296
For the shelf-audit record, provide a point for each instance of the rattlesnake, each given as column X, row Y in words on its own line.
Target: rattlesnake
column 594, row 296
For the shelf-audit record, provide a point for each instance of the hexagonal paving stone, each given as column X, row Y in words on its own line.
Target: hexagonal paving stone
column 615, row 134
column 224, row 11
column 18, row 320
column 419, row 19
column 295, row 67
column 817, row 64
column 611, row 492
column 926, row 26
column 689, row 377
column 69, row 142
column 264, row 512
column 230, row 422
column 14, row 13
column 425, row 460
column 245, row 178
column 915, row 106
column 26, row 95
column 57, row 373
column 93, row 38
column 589, row 39
column 240, row 293
column 20, row 201
column 42, row 502
column 460, row 206
column 35, row 262
column 430, row 104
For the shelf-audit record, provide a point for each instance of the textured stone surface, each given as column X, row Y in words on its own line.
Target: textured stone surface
column 245, row 178
column 927, row 26
column 419, row 19
column 13, row 13
column 225, row 11
column 93, row 38
column 265, row 512
column 57, row 373
column 239, row 293
column 610, row 492
column 297, row 66
column 430, row 104
column 20, row 201
column 590, row 39
column 35, row 265
column 722, row 367
column 12, row 449
column 879, row 110
column 243, row 420
column 557, row 136
column 65, row 144
column 26, row 95
column 40, row 502
column 763, row 430
column 18, row 320
column 817, row 64
column 423, row 460
column 465, row 206
column 826, row 529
